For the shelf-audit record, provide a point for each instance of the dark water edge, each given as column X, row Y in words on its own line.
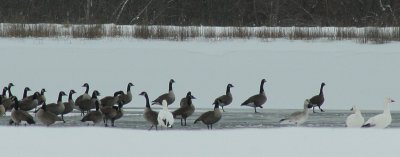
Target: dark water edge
column 231, row 119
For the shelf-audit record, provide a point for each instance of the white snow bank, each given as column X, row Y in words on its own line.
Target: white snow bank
column 294, row 142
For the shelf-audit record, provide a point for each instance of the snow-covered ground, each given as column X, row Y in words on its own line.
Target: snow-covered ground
column 355, row 74
column 296, row 142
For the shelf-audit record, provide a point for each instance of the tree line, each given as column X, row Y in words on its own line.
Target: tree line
column 204, row 12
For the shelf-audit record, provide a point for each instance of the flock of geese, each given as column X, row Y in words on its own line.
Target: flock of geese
column 109, row 108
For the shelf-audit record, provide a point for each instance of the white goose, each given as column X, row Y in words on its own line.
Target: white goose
column 381, row 120
column 165, row 117
column 355, row 120
column 299, row 117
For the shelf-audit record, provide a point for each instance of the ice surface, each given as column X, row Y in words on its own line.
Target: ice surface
column 299, row 142
column 355, row 74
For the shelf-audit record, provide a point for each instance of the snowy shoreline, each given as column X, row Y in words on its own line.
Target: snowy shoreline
column 66, row 142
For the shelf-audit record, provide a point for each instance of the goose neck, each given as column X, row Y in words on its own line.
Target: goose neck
column 321, row 92
column 170, row 86
column 70, row 96
column 87, row 89
column 147, row 101
column 5, row 91
column 228, row 89
column 59, row 98
column 262, row 87
column 9, row 92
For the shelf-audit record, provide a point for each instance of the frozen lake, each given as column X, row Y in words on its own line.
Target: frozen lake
column 235, row 118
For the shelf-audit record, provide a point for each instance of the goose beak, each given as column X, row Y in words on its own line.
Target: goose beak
column 393, row 101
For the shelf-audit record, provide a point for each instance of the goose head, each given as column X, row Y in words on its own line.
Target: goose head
column 42, row 91
column 323, row 84
column 143, row 93
column 96, row 93
column 130, row 84
column 62, row 93
column 172, row 81
column 388, row 100
column 189, row 95
column 10, row 85
column 85, row 85
column 263, row 81
column 230, row 85
column 27, row 89
column 72, row 91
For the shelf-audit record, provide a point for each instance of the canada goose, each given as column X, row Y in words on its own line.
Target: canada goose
column 9, row 90
column 165, row 117
column 4, row 95
column 169, row 97
column 319, row 99
column 2, row 109
column 257, row 100
column 26, row 92
column 185, row 111
column 6, row 102
column 355, row 120
column 29, row 102
column 88, row 104
column 57, row 108
column 149, row 115
column 68, row 106
column 120, row 113
column 227, row 98
column 94, row 116
column 45, row 117
column 42, row 98
column 299, row 117
column 108, row 112
column 18, row 115
column 126, row 98
column 381, row 120
column 211, row 117
column 110, row 100
column 80, row 100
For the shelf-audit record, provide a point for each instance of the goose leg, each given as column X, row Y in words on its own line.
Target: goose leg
column 255, row 110
column 112, row 123
column 185, row 121
column 313, row 109
column 211, row 126
column 181, row 122
column 208, row 127
column 222, row 108
column 151, row 127
column 321, row 109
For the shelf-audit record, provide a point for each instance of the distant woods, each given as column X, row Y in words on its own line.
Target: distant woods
column 204, row 12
